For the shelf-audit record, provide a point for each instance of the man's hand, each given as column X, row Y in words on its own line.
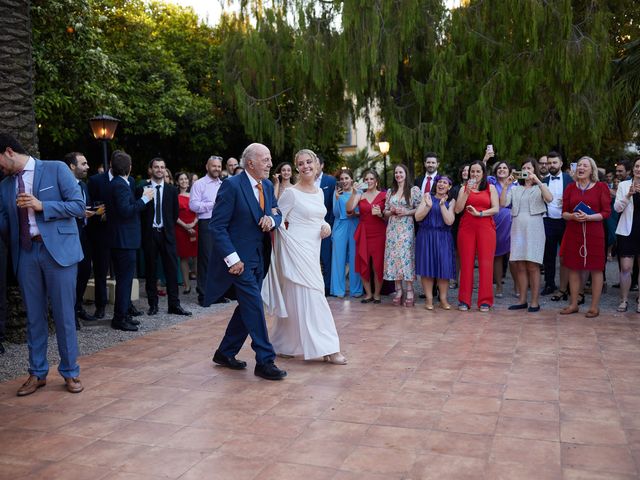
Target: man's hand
column 149, row 193
column 237, row 268
column 89, row 213
column 24, row 200
column 265, row 223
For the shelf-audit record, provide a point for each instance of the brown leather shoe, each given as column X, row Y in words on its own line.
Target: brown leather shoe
column 73, row 385
column 31, row 385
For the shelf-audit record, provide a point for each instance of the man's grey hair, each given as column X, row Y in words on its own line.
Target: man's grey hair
column 249, row 153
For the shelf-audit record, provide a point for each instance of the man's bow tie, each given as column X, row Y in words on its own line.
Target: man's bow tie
column 555, row 178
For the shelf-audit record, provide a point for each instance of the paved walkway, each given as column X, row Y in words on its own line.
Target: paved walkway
column 426, row 395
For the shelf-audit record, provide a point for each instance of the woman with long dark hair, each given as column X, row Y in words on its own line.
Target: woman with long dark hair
column 399, row 252
column 502, row 181
column 282, row 178
column 370, row 234
column 186, row 230
column 477, row 236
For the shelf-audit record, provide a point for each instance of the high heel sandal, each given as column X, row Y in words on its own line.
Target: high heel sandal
column 623, row 306
column 336, row 358
column 408, row 301
column 581, row 299
column 397, row 300
column 561, row 295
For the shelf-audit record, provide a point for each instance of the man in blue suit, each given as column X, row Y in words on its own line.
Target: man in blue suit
column 124, row 237
column 326, row 183
column 240, row 224
column 39, row 204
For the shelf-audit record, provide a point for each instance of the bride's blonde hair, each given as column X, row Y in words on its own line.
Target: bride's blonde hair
column 305, row 151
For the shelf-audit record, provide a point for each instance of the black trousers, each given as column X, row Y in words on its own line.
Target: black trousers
column 158, row 246
column 124, row 268
column 101, row 258
column 205, row 247
column 554, row 230
column 3, row 288
column 84, row 268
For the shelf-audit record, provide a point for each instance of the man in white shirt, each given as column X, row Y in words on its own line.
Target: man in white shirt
column 427, row 181
column 201, row 201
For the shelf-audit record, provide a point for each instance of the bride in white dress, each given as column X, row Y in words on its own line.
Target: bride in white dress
column 294, row 288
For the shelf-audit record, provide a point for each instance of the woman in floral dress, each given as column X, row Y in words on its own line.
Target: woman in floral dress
column 399, row 252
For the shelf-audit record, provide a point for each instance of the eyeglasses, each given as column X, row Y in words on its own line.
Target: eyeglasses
column 215, row 157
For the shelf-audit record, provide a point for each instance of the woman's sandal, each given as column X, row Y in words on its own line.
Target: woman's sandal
column 428, row 306
column 568, row 310
column 409, row 300
column 561, row 295
column 624, row 305
column 592, row 313
column 397, row 300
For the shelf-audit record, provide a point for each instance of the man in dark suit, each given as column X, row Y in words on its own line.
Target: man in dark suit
column 3, row 288
column 158, row 220
column 240, row 225
column 99, row 188
column 79, row 166
column 326, row 183
column 426, row 182
column 39, row 202
column 123, row 236
column 554, row 225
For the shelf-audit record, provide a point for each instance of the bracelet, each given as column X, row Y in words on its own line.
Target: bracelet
column 482, row 214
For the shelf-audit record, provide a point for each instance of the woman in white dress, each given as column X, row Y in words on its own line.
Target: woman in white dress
column 307, row 327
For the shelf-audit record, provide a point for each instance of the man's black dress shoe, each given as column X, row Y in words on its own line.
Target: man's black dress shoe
column 548, row 290
column 153, row 310
column 132, row 320
column 134, row 312
column 82, row 314
column 123, row 325
column 229, row 362
column 178, row 310
column 99, row 313
column 269, row 371
column 221, row 300
column 1, row 348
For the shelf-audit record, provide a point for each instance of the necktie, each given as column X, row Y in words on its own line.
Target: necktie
column 427, row 187
column 84, row 198
column 260, row 195
column 555, row 178
column 23, row 216
column 158, row 207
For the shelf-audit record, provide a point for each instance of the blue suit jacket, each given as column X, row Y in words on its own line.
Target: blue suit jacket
column 123, row 215
column 234, row 228
column 328, row 187
column 56, row 187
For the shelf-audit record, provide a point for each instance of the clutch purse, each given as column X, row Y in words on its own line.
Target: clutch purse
column 584, row 208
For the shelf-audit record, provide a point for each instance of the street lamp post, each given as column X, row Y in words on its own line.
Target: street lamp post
column 104, row 128
column 384, row 149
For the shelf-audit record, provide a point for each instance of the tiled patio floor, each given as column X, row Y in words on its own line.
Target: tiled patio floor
column 443, row 395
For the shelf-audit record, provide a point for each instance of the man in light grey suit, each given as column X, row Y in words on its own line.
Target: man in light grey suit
column 39, row 204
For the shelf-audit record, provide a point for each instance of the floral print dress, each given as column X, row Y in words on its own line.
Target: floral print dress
column 399, row 251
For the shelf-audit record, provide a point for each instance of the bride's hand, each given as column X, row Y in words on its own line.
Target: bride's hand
column 325, row 231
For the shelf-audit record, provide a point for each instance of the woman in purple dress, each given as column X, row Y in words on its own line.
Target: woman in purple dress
column 501, row 172
column 435, row 251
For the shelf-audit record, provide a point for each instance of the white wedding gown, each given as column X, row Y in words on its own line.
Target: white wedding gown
column 294, row 287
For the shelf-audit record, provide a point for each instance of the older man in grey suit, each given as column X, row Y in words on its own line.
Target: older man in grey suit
column 39, row 204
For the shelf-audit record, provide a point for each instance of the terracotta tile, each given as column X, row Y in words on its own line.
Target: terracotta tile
column 600, row 458
column 290, row 471
column 482, row 390
column 573, row 474
column 592, row 433
column 70, row 471
column 176, row 414
column 276, row 426
column 159, row 461
column 344, row 475
column 12, row 467
column 318, row 453
column 404, row 417
column 438, row 467
column 254, row 446
column 590, row 412
column 14, row 441
column 529, row 409
column 586, row 384
column 472, row 404
column 379, row 460
column 300, row 408
column 548, row 393
column 227, row 419
column 131, row 410
column 524, row 451
column 333, row 431
column 44, row 421
column 106, row 454
column 397, row 438
column 511, row 471
column 145, row 433
column 352, row 412
column 459, row 444
column 222, row 466
column 592, row 399
column 130, row 476
column 467, row 423
column 192, row 438
column 528, row 428
column 93, row 426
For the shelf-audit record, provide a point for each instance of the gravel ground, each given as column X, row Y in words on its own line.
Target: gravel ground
column 94, row 338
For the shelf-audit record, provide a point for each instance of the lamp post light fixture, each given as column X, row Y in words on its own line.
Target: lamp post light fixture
column 384, row 149
column 104, row 128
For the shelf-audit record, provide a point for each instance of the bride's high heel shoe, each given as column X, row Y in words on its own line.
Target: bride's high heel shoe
column 336, row 358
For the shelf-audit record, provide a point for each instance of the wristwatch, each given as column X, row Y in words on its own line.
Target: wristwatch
column 482, row 214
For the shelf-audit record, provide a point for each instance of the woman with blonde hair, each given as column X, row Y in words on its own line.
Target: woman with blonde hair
column 585, row 205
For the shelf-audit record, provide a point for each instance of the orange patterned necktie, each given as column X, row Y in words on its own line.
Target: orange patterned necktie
column 260, row 195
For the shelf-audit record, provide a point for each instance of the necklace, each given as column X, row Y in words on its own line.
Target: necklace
column 585, row 188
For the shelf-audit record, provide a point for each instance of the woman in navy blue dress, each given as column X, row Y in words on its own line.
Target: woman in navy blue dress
column 435, row 251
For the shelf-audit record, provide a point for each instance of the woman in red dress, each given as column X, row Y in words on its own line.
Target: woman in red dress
column 477, row 235
column 186, row 230
column 583, row 245
column 370, row 235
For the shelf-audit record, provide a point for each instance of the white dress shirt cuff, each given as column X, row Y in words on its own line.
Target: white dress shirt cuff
column 273, row 222
column 232, row 259
column 145, row 199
